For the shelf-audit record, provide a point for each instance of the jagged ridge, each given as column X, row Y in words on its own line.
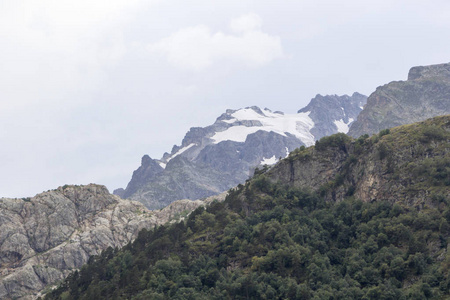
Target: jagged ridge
column 284, row 235
column 218, row 157
column 46, row 237
column 391, row 165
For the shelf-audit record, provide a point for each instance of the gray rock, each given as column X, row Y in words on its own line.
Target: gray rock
column 149, row 169
column 45, row 238
column 326, row 110
column 200, row 167
column 182, row 179
column 424, row 95
column 359, row 168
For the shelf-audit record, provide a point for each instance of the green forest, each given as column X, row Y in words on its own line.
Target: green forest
column 270, row 240
column 267, row 241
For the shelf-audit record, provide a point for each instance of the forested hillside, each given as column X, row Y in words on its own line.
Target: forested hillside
column 271, row 239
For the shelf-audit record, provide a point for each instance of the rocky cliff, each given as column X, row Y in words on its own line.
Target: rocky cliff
column 409, row 164
column 333, row 113
column 424, row 95
column 299, row 230
column 46, row 237
column 216, row 158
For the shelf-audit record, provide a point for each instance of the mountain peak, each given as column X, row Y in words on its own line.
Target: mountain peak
column 424, row 95
column 333, row 113
column 229, row 150
column 433, row 71
column 146, row 160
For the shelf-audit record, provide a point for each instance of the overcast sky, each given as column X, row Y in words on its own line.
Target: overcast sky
column 88, row 87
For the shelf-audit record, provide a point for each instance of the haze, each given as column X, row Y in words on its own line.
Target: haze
column 88, row 87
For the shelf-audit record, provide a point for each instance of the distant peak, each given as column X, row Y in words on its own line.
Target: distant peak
column 255, row 109
column 146, row 160
column 93, row 188
column 422, row 72
column 356, row 94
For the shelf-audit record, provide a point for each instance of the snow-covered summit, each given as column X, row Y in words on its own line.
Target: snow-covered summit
column 324, row 115
column 237, row 125
column 298, row 125
column 217, row 157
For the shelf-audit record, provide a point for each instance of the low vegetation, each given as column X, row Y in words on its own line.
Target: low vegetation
column 271, row 241
column 267, row 241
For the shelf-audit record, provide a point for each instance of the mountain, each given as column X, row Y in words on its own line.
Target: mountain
column 364, row 218
column 46, row 237
column 408, row 163
column 424, row 95
column 216, row 158
column 332, row 114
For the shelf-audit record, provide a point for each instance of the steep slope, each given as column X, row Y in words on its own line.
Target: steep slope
column 333, row 113
column 145, row 173
column 218, row 157
column 424, row 95
column 407, row 163
column 182, row 177
column 44, row 238
column 372, row 223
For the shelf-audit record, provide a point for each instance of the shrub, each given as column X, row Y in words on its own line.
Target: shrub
column 338, row 140
column 384, row 132
column 382, row 151
column 431, row 133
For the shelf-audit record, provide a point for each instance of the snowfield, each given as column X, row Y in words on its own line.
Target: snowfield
column 342, row 126
column 269, row 161
column 298, row 125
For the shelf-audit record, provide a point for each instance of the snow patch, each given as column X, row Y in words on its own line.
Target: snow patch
column 235, row 133
column 161, row 164
column 298, row 125
column 269, row 161
column 231, row 121
column 180, row 151
column 342, row 126
column 287, row 151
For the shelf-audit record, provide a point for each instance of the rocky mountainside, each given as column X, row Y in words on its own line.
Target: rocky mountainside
column 364, row 218
column 409, row 164
column 332, row 111
column 424, row 95
column 46, row 237
column 215, row 158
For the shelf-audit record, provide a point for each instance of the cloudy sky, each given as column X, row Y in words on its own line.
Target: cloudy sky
column 88, row 87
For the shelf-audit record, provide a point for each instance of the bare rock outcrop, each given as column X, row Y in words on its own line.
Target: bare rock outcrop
column 46, row 237
column 424, row 95
column 218, row 157
column 406, row 165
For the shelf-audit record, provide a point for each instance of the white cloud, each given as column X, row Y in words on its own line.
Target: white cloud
column 78, row 92
column 245, row 23
column 197, row 47
column 53, row 48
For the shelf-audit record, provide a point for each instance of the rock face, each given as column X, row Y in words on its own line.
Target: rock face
column 424, row 95
column 216, row 158
column 182, row 179
column 393, row 165
column 333, row 113
column 44, row 238
column 148, row 170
